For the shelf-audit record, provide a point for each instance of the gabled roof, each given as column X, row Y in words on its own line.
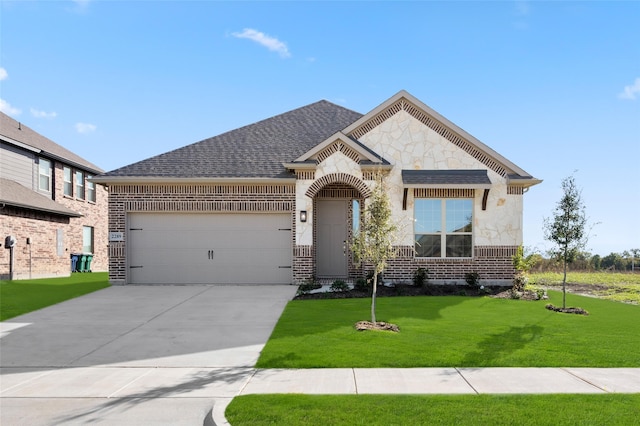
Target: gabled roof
column 432, row 119
column 338, row 142
column 16, row 195
column 254, row 151
column 298, row 139
column 16, row 133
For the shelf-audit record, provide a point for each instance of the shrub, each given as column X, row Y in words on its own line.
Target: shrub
column 420, row 277
column 472, row 279
column 307, row 286
column 339, row 286
column 361, row 285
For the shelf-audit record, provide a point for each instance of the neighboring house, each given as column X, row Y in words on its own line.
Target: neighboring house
column 48, row 204
column 277, row 201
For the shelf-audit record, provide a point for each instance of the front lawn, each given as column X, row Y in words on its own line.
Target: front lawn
column 473, row 410
column 21, row 296
column 455, row 331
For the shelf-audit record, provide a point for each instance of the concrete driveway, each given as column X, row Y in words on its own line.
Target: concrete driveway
column 135, row 354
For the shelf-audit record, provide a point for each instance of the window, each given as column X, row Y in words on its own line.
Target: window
column 443, row 227
column 91, row 190
column 44, row 173
column 87, row 239
column 68, row 181
column 79, row 185
column 356, row 215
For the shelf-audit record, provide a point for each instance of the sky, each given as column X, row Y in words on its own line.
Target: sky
column 554, row 86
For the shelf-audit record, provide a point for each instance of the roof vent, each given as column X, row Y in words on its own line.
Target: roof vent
column 19, row 126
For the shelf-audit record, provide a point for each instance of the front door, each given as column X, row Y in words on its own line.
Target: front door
column 331, row 238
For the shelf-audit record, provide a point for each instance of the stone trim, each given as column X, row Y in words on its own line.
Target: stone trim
column 443, row 193
column 338, row 178
column 434, row 125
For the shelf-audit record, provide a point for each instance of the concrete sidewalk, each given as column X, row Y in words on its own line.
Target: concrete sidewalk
column 437, row 381
column 444, row 381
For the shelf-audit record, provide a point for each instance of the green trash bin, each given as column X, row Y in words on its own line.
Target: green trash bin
column 88, row 266
column 82, row 263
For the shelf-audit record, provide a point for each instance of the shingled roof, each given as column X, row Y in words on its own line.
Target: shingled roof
column 254, row 151
column 14, row 194
column 16, row 133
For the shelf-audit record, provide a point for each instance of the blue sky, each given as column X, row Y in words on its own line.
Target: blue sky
column 554, row 86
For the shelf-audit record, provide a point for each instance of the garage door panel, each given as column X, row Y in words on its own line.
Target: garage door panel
column 209, row 248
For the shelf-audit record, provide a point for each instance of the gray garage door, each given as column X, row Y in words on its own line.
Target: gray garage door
column 209, row 248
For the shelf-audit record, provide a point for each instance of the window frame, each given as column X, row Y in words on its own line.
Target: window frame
column 91, row 245
column 41, row 175
column 79, row 185
column 443, row 232
column 90, row 190
column 68, row 184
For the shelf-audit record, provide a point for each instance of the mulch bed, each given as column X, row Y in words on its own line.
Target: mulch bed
column 407, row 290
column 380, row 325
column 578, row 311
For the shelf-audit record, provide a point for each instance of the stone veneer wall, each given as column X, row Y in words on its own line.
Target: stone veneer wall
column 41, row 259
column 187, row 198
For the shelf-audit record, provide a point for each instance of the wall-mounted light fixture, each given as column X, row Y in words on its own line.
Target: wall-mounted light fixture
column 303, row 215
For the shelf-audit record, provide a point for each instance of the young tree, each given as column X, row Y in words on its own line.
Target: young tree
column 373, row 241
column 566, row 229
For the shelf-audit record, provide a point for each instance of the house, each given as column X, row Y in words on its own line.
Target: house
column 277, row 201
column 48, row 205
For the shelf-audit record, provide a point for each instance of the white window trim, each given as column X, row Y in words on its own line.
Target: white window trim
column 65, row 181
column 48, row 176
column 78, row 185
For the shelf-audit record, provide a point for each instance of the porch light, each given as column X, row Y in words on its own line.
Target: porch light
column 303, row 215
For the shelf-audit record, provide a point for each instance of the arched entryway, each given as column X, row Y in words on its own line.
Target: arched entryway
column 336, row 206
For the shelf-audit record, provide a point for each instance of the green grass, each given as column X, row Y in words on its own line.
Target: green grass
column 22, row 296
column 622, row 287
column 455, row 331
column 459, row 410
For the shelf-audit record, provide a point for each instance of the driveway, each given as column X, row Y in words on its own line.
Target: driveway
column 135, row 354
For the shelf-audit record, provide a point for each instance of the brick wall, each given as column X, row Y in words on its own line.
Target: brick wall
column 42, row 258
column 176, row 198
column 492, row 263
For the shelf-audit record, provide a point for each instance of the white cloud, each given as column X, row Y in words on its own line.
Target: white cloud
column 85, row 127
column 261, row 38
column 43, row 114
column 8, row 109
column 3, row 74
column 632, row 91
